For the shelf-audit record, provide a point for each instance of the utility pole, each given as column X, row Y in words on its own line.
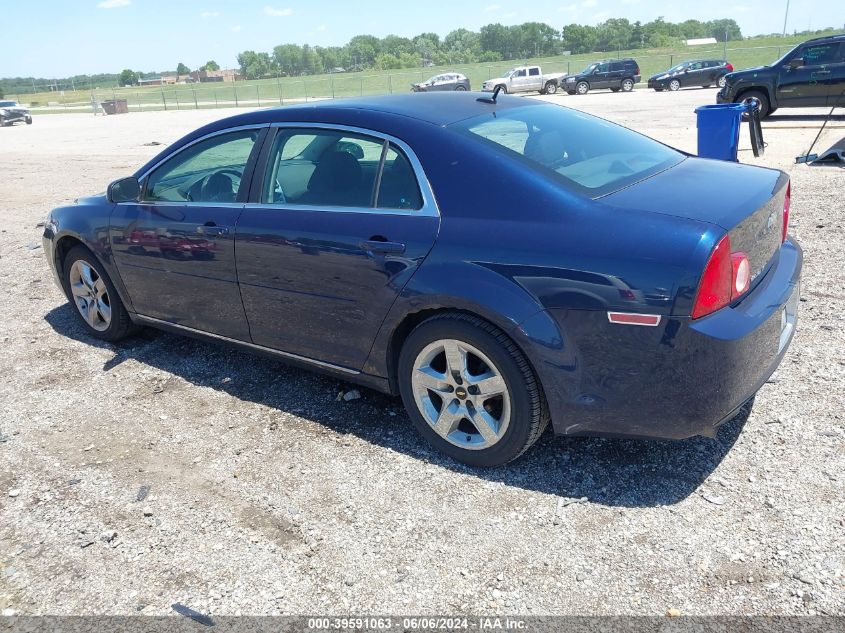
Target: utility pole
column 785, row 16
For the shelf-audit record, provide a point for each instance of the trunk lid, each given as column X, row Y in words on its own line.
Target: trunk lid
column 744, row 200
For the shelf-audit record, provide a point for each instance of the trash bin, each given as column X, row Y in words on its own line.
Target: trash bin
column 718, row 129
column 115, row 106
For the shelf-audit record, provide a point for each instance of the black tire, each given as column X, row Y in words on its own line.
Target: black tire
column 627, row 85
column 551, row 87
column 706, row 85
column 121, row 325
column 658, row 89
column 460, row 88
column 571, row 92
column 614, row 89
column 29, row 120
column 528, row 411
column 582, row 88
column 765, row 107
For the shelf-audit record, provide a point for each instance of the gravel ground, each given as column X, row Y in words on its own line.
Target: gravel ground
column 265, row 494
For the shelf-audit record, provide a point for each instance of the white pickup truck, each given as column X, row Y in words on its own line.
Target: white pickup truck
column 525, row 79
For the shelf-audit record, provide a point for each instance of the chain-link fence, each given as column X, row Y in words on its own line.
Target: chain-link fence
column 283, row 90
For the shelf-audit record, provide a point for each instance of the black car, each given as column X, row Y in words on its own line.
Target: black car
column 616, row 74
column 444, row 81
column 810, row 75
column 697, row 72
column 12, row 112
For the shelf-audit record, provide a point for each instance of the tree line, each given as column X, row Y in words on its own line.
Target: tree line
column 493, row 42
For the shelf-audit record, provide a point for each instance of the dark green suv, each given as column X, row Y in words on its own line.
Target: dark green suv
column 810, row 75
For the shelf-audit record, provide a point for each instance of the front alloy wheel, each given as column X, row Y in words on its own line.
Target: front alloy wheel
column 95, row 298
column 674, row 85
column 582, row 88
column 90, row 295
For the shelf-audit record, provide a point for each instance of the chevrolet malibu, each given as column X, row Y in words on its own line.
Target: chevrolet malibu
column 499, row 263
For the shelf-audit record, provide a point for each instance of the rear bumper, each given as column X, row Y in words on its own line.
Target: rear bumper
column 680, row 379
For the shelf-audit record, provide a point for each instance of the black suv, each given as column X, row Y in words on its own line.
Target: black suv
column 696, row 72
column 616, row 74
column 810, row 75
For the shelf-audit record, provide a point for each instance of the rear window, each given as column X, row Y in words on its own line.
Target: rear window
column 586, row 154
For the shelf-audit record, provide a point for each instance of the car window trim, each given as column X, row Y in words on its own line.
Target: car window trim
column 249, row 169
column 429, row 206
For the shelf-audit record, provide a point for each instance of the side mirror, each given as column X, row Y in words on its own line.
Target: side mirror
column 796, row 63
column 124, row 190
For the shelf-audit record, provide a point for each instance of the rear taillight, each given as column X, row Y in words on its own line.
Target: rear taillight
column 729, row 67
column 726, row 277
column 786, row 201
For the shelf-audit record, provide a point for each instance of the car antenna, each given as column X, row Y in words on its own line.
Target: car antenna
column 492, row 99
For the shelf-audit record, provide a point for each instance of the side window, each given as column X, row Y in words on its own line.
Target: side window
column 322, row 168
column 398, row 188
column 533, row 71
column 822, row 54
column 616, row 66
column 209, row 171
column 520, row 73
column 602, row 68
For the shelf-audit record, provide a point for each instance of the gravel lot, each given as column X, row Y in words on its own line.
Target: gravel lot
column 267, row 495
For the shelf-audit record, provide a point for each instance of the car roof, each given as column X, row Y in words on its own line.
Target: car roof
column 438, row 108
column 827, row 38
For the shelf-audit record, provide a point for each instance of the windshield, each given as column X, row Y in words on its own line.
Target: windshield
column 678, row 68
column 587, row 154
column 588, row 69
column 431, row 80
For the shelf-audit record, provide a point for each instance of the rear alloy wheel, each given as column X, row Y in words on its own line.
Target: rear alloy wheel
column 469, row 391
column 722, row 81
column 627, row 85
column 460, row 87
column 674, row 85
column 551, row 88
column 582, row 88
column 504, row 88
column 92, row 293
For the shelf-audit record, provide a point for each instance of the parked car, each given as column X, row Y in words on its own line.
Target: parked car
column 699, row 72
column 525, row 79
column 600, row 287
column 12, row 112
column 810, row 75
column 445, row 81
column 616, row 74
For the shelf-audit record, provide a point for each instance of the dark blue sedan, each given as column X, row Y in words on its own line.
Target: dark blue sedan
column 497, row 264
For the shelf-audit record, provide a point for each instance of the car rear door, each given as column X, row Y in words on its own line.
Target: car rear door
column 338, row 223
column 175, row 247
column 535, row 79
column 836, row 79
column 811, row 83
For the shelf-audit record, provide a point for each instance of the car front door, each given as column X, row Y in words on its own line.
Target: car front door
column 807, row 79
column 341, row 221
column 518, row 80
column 600, row 75
column 175, row 247
column 693, row 75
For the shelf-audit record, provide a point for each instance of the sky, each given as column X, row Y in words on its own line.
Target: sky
column 54, row 38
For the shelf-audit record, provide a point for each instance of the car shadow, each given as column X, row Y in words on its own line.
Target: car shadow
column 774, row 118
column 612, row 472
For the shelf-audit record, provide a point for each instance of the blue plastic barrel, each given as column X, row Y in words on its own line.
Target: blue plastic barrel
column 718, row 129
